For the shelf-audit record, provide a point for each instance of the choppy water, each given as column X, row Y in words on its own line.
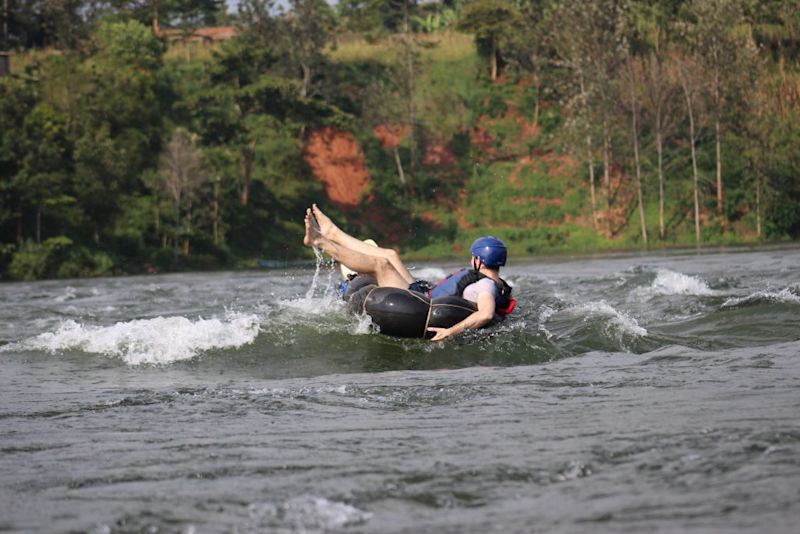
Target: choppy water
column 655, row 393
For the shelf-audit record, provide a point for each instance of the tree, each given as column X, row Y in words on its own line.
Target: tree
column 633, row 83
column 528, row 47
column 18, row 96
column 587, row 41
column 633, row 44
column 181, row 164
column 691, row 78
column 305, row 31
column 660, row 92
column 488, row 20
column 46, row 163
column 711, row 36
column 118, row 124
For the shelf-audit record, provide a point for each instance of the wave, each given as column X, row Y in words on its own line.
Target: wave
column 669, row 282
column 615, row 320
column 789, row 295
column 161, row 340
column 71, row 293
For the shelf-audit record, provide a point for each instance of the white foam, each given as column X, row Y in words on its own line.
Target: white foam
column 362, row 325
column 161, row 340
column 431, row 274
column 69, row 294
column 671, row 283
column 544, row 315
column 313, row 305
column 786, row 295
column 307, row 514
column 619, row 321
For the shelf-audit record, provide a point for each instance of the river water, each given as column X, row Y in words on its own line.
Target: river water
column 625, row 394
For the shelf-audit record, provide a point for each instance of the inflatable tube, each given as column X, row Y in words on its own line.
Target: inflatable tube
column 356, row 283
column 404, row 313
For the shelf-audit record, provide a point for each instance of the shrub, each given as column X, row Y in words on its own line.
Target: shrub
column 37, row 260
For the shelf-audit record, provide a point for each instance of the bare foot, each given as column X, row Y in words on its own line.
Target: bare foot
column 326, row 226
column 313, row 235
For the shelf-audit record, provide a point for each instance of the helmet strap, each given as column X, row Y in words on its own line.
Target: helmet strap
column 476, row 263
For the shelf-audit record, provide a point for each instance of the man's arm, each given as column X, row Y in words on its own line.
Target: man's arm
column 477, row 319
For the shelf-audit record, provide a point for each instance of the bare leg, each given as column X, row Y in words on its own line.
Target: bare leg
column 333, row 233
column 378, row 266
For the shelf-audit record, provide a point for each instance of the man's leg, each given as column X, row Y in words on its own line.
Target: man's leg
column 333, row 233
column 376, row 265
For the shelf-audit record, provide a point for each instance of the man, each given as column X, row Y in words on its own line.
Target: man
column 481, row 284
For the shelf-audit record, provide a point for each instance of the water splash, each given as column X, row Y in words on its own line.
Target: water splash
column 669, row 282
column 308, row 514
column 161, row 340
column 320, row 261
column 544, row 315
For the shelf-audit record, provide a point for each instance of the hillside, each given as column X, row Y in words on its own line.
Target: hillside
column 125, row 151
column 487, row 165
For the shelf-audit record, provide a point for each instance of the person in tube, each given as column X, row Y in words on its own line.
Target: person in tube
column 480, row 284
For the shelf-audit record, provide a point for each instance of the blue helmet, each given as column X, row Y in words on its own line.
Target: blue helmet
column 490, row 250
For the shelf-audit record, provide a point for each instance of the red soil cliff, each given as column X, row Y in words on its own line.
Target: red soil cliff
column 336, row 159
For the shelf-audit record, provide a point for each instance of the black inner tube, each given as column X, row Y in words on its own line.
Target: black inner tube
column 404, row 313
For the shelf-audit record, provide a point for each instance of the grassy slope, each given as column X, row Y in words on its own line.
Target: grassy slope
column 519, row 186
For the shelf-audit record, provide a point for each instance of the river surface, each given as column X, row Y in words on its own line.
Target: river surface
column 645, row 393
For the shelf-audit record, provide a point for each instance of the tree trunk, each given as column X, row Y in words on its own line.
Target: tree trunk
column 635, row 132
column 39, row 223
column 718, row 143
column 248, row 155
column 400, row 172
column 411, row 81
column 6, row 46
column 719, row 174
column 607, row 173
column 19, row 227
column 305, row 88
column 154, row 4
column 188, row 229
column 758, row 204
column 494, row 58
column 177, row 223
column 692, row 140
column 590, row 160
column 215, row 208
column 537, row 83
column 660, row 151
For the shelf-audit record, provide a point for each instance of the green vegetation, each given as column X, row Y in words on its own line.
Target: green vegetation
column 129, row 144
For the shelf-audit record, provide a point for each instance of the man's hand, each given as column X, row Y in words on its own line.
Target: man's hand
column 441, row 333
column 478, row 319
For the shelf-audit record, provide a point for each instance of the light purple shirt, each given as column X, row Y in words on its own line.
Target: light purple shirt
column 484, row 285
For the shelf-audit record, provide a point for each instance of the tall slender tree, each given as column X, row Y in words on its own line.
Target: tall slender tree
column 691, row 78
column 182, row 167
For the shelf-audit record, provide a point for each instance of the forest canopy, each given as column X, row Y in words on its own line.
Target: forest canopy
column 140, row 136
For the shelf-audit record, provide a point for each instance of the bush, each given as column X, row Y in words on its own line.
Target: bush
column 82, row 262
column 37, row 260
